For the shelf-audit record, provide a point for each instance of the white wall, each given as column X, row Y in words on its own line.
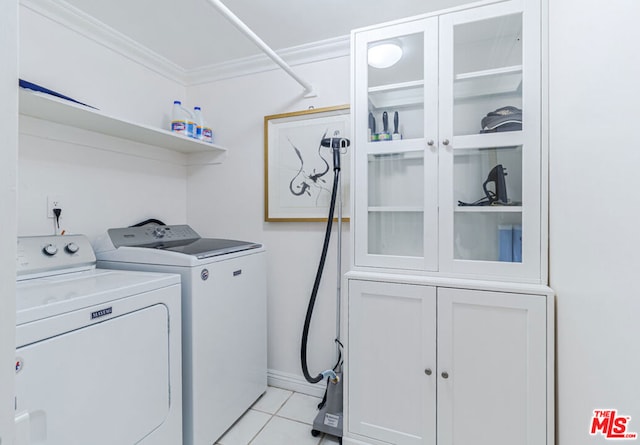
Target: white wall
column 8, row 169
column 98, row 188
column 228, row 201
column 594, row 210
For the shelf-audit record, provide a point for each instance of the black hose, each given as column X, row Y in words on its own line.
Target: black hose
column 316, row 284
column 149, row 221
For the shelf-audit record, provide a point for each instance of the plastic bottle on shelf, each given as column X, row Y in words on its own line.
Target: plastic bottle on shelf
column 191, row 123
column 203, row 130
column 197, row 116
column 182, row 121
column 178, row 118
column 207, row 134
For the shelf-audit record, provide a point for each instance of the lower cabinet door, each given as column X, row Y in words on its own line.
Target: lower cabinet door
column 392, row 362
column 491, row 368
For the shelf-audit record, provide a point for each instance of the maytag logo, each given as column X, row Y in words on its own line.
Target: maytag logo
column 101, row 313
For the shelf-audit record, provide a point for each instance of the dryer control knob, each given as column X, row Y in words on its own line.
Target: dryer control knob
column 50, row 250
column 159, row 232
column 71, row 248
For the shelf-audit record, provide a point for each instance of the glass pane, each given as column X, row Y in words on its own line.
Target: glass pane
column 488, row 204
column 396, row 233
column 396, row 92
column 396, row 203
column 488, row 76
column 396, row 179
column 488, row 236
column 488, row 176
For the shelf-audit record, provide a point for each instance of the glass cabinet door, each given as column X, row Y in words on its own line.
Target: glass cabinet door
column 489, row 143
column 395, row 107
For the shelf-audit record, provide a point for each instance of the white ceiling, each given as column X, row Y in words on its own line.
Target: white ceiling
column 192, row 34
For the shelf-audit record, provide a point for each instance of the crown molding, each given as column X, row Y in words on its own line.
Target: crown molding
column 76, row 20
column 297, row 55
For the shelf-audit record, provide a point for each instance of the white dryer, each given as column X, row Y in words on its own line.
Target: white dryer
column 224, row 310
column 97, row 351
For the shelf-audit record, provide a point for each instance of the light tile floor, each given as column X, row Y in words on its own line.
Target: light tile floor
column 279, row 417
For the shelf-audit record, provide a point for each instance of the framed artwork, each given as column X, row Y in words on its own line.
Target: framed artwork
column 299, row 171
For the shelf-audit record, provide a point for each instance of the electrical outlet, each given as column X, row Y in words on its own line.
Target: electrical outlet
column 53, row 202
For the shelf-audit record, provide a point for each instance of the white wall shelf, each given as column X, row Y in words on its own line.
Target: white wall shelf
column 50, row 108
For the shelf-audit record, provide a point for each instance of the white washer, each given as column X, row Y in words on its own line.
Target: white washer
column 97, row 351
column 224, row 309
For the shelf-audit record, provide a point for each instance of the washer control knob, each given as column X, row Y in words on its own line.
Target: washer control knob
column 71, row 248
column 159, row 232
column 50, row 250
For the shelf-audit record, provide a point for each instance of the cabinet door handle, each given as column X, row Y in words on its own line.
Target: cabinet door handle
column 430, row 142
column 427, row 371
column 445, row 375
column 445, row 142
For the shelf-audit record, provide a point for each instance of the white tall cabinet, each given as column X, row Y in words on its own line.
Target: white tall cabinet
column 449, row 321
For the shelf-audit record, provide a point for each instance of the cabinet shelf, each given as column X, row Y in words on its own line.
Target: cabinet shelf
column 507, row 139
column 397, row 95
column 394, row 150
column 488, row 209
column 488, row 82
column 43, row 106
column 395, row 209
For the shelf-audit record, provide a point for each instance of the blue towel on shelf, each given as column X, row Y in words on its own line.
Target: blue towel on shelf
column 505, row 242
column 36, row 87
column 517, row 243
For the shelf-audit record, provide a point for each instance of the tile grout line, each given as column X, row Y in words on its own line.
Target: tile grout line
column 270, row 418
column 278, row 409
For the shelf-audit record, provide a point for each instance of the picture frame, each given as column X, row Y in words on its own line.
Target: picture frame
column 299, row 172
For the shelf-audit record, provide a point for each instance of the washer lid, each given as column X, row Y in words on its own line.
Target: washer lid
column 180, row 239
column 209, row 247
column 45, row 297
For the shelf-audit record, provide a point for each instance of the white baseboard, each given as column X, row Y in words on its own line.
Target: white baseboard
column 294, row 382
column 350, row 441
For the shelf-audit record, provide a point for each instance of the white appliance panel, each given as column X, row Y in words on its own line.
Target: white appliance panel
column 229, row 344
column 104, row 384
column 44, row 297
